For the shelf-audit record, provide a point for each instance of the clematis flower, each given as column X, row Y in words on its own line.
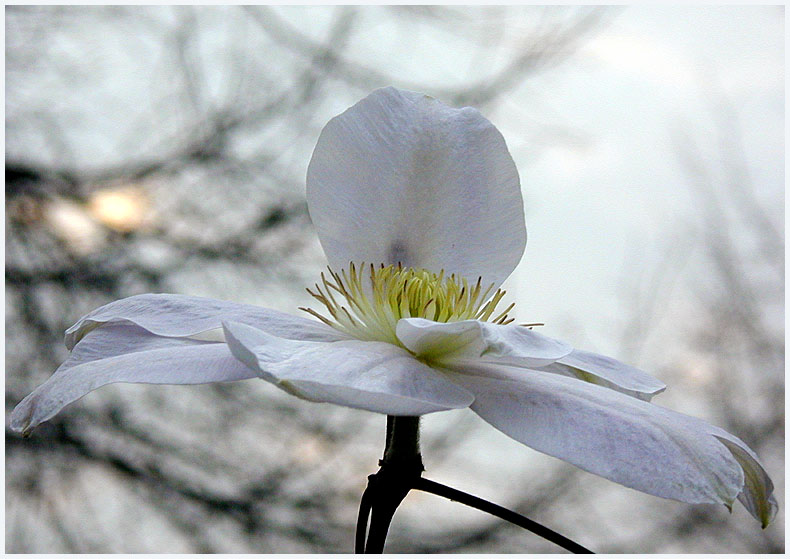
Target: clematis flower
column 419, row 211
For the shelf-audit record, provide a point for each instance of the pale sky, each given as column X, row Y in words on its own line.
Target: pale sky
column 615, row 189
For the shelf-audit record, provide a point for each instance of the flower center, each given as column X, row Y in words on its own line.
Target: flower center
column 371, row 310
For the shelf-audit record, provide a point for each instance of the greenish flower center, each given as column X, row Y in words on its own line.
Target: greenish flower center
column 369, row 308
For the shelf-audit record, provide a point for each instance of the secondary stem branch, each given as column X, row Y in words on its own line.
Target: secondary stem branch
column 505, row 514
column 400, row 472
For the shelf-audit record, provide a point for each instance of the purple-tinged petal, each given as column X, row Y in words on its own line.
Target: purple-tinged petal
column 624, row 439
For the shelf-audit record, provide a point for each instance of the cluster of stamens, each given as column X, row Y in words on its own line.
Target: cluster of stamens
column 371, row 310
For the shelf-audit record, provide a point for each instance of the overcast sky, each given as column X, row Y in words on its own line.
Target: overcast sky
column 614, row 189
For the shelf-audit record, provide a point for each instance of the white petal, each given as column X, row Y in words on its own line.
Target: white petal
column 182, row 315
column 401, row 177
column 374, row 376
column 251, row 346
column 629, row 441
column 608, row 372
column 455, row 343
column 126, row 353
column 757, row 495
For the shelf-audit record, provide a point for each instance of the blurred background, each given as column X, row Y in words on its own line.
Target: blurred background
column 161, row 149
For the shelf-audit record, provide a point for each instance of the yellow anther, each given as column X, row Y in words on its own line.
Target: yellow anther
column 378, row 299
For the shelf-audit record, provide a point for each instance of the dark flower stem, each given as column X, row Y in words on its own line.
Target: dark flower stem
column 401, row 467
column 401, row 471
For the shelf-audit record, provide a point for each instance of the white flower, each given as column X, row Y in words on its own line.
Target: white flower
column 418, row 208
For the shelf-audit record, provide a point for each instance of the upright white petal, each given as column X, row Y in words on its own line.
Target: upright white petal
column 608, row 372
column 456, row 343
column 627, row 440
column 401, row 177
column 126, row 353
column 182, row 315
column 373, row 376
